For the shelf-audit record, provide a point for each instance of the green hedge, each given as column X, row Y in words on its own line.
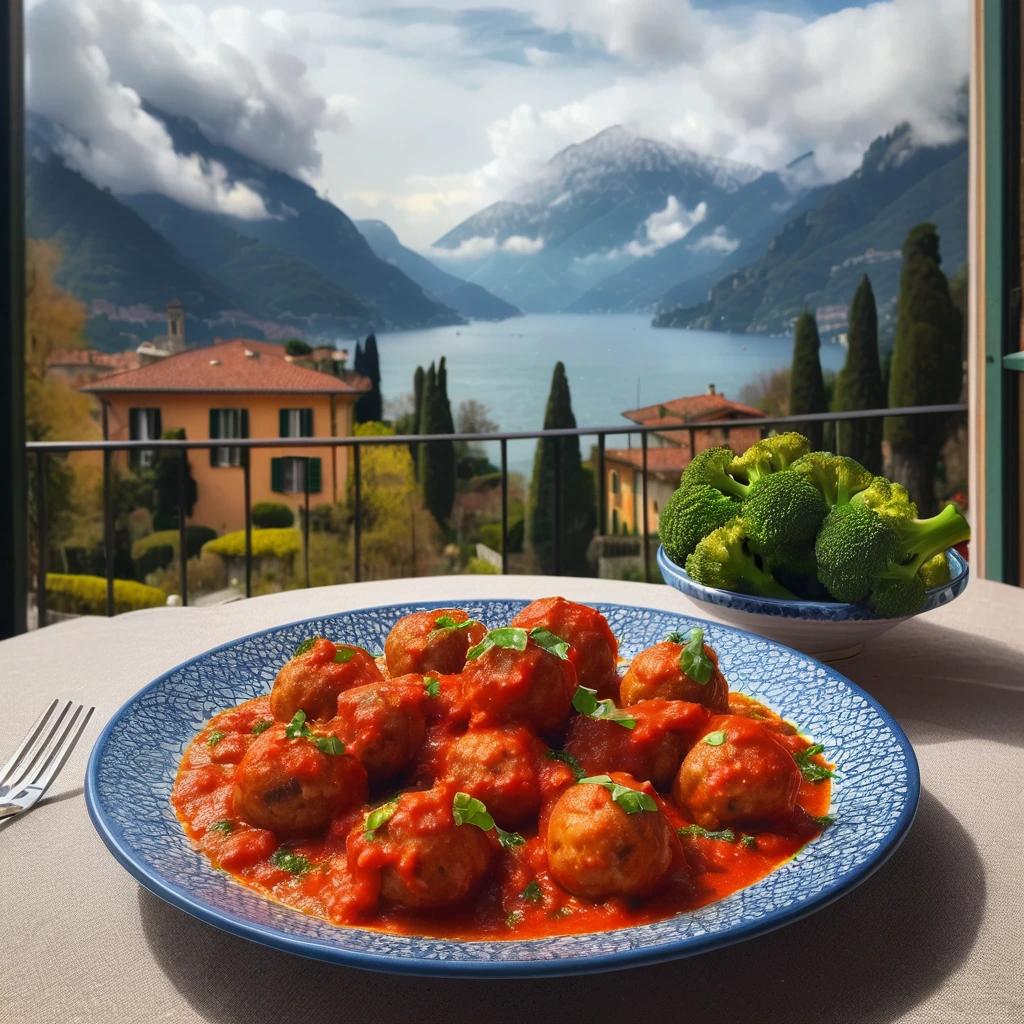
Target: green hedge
column 265, row 544
column 87, row 595
column 271, row 515
column 159, row 549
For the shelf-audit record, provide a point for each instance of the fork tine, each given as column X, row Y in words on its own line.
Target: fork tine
column 42, row 744
column 63, row 752
column 33, row 735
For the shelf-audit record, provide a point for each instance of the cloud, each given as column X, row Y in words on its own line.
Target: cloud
column 92, row 62
column 717, row 241
column 667, row 226
column 478, row 247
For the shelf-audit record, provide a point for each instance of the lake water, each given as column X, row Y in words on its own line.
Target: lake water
column 613, row 363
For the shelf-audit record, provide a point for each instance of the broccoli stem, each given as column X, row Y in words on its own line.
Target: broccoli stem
column 924, row 538
column 761, row 583
column 728, row 485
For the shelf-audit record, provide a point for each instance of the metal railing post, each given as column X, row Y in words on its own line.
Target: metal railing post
column 646, row 521
column 357, row 537
column 247, row 496
column 504, row 507
column 556, row 520
column 183, row 526
column 42, row 539
column 602, row 493
column 108, row 527
column 305, row 523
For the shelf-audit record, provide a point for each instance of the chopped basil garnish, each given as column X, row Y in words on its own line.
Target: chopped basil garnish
column 297, row 729
column 515, row 919
column 630, row 800
column 694, row 661
column 750, row 842
column 586, row 703
column 432, row 686
column 715, row 739
column 812, row 772
column 726, row 835
column 261, row 727
column 532, row 893
column 566, row 758
column 467, row 810
column 215, row 737
column 514, row 638
column 343, row 655
column 447, row 622
column 225, row 826
column 305, row 646
column 294, row 863
column 376, row 818
column 822, row 822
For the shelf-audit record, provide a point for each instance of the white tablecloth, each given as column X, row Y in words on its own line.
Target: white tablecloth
column 936, row 935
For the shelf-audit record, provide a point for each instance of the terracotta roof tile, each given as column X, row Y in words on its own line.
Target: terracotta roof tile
column 690, row 409
column 226, row 367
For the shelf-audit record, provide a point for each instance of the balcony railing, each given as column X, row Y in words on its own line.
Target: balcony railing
column 43, row 449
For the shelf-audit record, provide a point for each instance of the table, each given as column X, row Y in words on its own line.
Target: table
column 937, row 935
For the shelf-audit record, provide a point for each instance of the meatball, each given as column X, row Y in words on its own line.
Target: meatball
column 651, row 751
column 656, row 673
column 593, row 649
column 292, row 787
column 738, row 774
column 532, row 686
column 312, row 681
column 499, row 767
column 597, row 850
column 422, row 643
column 423, row 860
column 382, row 724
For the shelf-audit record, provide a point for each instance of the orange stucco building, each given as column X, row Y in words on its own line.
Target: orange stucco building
column 238, row 389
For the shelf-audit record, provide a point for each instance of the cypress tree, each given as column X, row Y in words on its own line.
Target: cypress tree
column 859, row 385
column 436, row 458
column 167, row 483
column 417, row 412
column 579, row 513
column 926, row 365
column 806, row 384
column 370, row 407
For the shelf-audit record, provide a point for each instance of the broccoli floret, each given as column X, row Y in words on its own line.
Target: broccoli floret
column 887, row 499
column 690, row 515
column 837, row 477
column 935, row 572
column 723, row 560
column 859, row 546
column 770, row 455
column 783, row 514
column 801, row 576
column 896, row 599
column 711, row 467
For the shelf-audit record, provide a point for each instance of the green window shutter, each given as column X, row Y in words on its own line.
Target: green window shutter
column 245, row 423
column 214, row 433
column 282, row 422
column 159, row 423
column 275, row 475
column 313, row 468
column 307, row 422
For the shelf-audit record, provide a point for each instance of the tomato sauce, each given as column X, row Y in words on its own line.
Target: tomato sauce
column 336, row 874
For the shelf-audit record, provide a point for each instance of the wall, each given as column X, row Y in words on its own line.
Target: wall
column 628, row 502
column 220, row 488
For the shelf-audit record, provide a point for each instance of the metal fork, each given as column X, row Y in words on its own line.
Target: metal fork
column 46, row 748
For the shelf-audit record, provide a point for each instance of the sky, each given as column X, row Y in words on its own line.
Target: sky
column 421, row 114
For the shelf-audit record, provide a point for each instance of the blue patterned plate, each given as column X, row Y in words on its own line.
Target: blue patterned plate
column 132, row 769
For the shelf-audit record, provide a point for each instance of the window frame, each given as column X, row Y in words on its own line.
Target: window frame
column 228, row 457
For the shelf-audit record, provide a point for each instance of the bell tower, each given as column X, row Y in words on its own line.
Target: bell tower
column 175, row 327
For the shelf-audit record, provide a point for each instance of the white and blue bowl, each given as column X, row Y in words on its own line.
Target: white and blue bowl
column 828, row 630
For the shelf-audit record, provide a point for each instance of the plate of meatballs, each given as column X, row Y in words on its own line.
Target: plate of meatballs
column 501, row 787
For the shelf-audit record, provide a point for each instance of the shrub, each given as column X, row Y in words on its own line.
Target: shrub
column 265, row 544
column 297, row 347
column 490, row 534
column 269, row 515
column 478, row 567
column 87, row 595
column 158, row 550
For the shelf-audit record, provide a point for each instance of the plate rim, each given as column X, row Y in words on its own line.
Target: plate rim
column 638, row 956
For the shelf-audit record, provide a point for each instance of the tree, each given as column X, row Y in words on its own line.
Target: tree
column 436, row 458
column 859, row 384
column 369, row 408
column 806, row 384
column 577, row 506
column 417, row 411
column 470, row 458
column 297, row 347
column 926, row 365
column 167, row 484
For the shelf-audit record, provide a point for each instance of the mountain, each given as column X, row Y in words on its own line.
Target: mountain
column 735, row 230
column 818, row 256
column 470, row 300
column 313, row 229
column 584, row 218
